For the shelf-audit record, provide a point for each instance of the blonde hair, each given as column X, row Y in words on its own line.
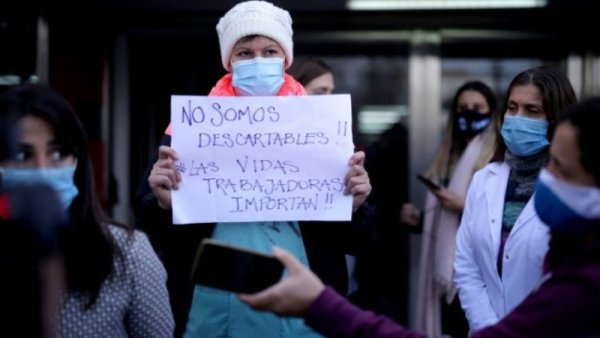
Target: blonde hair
column 452, row 147
column 449, row 153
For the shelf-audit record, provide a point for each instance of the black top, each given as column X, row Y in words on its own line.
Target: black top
column 31, row 219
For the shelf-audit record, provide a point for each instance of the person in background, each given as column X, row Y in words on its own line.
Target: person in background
column 30, row 258
column 115, row 283
column 372, row 284
column 256, row 48
column 501, row 241
column 566, row 303
column 468, row 146
column 381, row 288
column 314, row 74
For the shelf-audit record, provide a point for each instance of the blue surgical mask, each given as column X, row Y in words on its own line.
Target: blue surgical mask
column 60, row 179
column 524, row 136
column 566, row 207
column 258, row 76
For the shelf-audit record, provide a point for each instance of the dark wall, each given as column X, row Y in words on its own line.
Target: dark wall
column 173, row 48
column 17, row 45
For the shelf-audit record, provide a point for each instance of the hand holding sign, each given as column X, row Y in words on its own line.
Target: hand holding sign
column 264, row 159
column 164, row 176
column 357, row 180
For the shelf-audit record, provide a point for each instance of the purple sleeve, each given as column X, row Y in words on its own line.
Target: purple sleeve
column 333, row 316
column 566, row 305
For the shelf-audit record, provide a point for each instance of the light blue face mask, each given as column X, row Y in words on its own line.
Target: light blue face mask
column 524, row 136
column 258, row 76
column 60, row 179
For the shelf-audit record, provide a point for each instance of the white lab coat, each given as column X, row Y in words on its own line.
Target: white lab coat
column 485, row 297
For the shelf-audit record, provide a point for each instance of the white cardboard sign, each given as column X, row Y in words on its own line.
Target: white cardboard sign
column 245, row 159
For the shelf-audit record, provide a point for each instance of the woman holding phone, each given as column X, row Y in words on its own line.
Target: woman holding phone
column 468, row 146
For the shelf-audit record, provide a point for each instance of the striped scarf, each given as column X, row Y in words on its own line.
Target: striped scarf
column 521, row 184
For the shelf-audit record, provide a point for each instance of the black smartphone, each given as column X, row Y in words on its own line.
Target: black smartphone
column 234, row 269
column 429, row 183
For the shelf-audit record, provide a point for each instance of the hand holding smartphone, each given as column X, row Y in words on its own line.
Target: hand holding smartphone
column 429, row 183
column 234, row 269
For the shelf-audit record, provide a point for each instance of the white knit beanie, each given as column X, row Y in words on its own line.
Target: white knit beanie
column 255, row 17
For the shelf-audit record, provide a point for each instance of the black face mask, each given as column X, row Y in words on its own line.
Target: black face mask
column 470, row 122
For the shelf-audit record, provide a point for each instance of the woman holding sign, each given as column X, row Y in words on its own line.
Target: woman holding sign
column 256, row 48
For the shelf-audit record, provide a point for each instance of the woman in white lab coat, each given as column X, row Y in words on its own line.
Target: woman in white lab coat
column 501, row 243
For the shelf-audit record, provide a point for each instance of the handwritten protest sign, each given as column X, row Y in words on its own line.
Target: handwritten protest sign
column 246, row 159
